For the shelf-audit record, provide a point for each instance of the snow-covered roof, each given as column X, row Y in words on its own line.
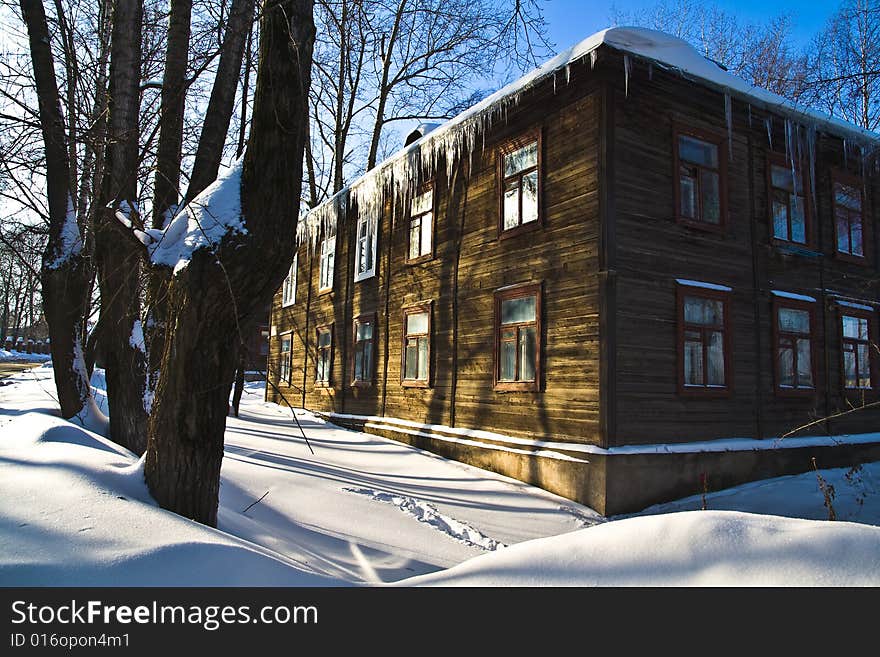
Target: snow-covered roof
column 457, row 136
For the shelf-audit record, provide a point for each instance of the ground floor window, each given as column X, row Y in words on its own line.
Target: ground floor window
column 286, row 355
column 363, row 352
column 856, row 330
column 417, row 345
column 324, row 355
column 703, row 344
column 518, row 338
column 794, row 347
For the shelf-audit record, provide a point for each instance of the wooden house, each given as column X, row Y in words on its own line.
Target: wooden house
column 628, row 277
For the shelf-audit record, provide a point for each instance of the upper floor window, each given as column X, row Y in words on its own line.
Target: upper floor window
column 364, row 350
column 417, row 345
column 848, row 219
column 328, row 259
column 365, row 249
column 788, row 203
column 324, row 355
column 421, row 225
column 793, row 333
column 288, row 291
column 703, row 347
column 700, row 188
column 520, row 170
column 856, row 331
column 518, row 338
column 286, row 355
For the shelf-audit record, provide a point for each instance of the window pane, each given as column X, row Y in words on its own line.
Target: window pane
column 511, row 205
column 508, row 360
column 285, row 344
column 693, row 363
column 805, row 369
column 423, row 359
column 842, row 231
column 781, row 177
column 855, row 232
column 514, row 311
column 704, row 312
column 847, row 196
column 530, row 197
column 849, row 369
column 794, row 321
column 688, row 194
column 412, row 357
column 711, row 197
column 855, row 327
column 358, row 363
column 364, row 330
column 422, row 203
column 415, row 233
column 521, row 159
column 716, row 359
column 527, row 354
column 697, row 151
column 864, row 366
column 324, row 338
column 798, row 219
column 780, row 220
column 416, row 323
column 427, row 222
column 368, row 360
column 786, row 366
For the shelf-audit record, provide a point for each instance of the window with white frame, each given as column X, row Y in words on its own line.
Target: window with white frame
column 288, row 292
column 328, row 258
column 286, row 353
column 365, row 249
column 324, row 356
column 421, row 224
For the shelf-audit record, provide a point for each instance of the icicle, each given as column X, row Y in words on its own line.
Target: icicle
column 811, row 153
column 728, row 115
column 554, row 83
column 844, row 153
column 567, row 74
column 768, row 123
column 594, row 55
column 627, row 67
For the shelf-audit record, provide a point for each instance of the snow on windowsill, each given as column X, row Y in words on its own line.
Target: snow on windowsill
column 792, row 295
column 707, row 286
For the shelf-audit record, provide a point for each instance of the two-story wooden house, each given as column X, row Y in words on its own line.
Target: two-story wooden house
column 627, row 273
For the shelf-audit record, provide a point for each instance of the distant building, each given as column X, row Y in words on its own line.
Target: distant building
column 626, row 274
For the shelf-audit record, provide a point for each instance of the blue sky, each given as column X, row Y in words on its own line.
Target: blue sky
column 571, row 21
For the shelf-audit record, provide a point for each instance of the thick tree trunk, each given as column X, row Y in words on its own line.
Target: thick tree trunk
column 117, row 258
column 210, row 301
column 65, row 274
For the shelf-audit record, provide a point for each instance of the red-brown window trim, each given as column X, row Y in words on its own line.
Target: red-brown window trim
column 780, row 159
column 517, row 292
column 796, row 304
column 370, row 377
column 425, row 187
column 415, row 309
column 318, row 330
column 871, row 316
column 851, row 180
column 507, row 147
column 683, row 290
column 718, row 140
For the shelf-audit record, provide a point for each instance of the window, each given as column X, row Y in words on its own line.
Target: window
column 518, row 338
column 328, row 258
column 848, row 220
column 700, row 192
column 324, row 356
column 288, row 292
column 421, row 224
column 364, row 350
column 417, row 346
column 794, row 347
column 856, row 346
column 788, row 202
column 520, row 171
column 704, row 364
column 365, row 250
column 284, row 365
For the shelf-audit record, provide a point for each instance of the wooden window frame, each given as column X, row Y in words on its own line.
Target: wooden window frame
column 506, row 148
column 327, row 290
column 370, row 377
column 871, row 317
column 281, row 336
column 293, row 270
column 851, row 180
column 518, row 292
column 415, row 309
column 810, row 308
column 724, row 296
column 318, row 352
column 718, row 140
column 423, row 189
column 778, row 159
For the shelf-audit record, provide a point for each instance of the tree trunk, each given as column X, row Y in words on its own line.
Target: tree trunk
column 210, row 300
column 118, row 260
column 64, row 274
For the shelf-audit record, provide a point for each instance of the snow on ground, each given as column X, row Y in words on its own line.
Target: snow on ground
column 366, row 510
column 22, row 356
